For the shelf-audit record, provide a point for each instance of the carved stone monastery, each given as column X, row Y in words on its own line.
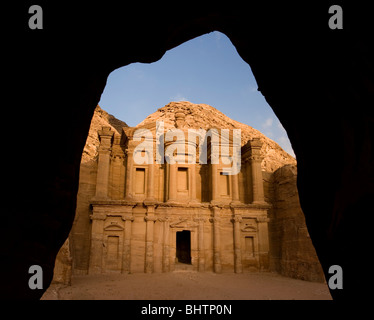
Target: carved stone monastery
column 160, row 217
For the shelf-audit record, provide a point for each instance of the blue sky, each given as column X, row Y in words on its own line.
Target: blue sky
column 207, row 70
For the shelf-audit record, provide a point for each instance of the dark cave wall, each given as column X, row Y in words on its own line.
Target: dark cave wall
column 291, row 250
column 311, row 76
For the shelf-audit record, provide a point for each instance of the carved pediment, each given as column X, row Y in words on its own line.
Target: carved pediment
column 249, row 228
column 113, row 227
column 184, row 223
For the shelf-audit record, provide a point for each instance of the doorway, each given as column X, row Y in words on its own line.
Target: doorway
column 184, row 247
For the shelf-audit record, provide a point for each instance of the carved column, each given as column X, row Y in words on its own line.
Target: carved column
column 129, row 174
column 214, row 173
column 96, row 255
column 151, row 179
column 257, row 182
column 201, row 243
column 216, row 241
column 103, row 165
column 128, row 218
column 172, row 182
column 116, row 191
column 235, row 189
column 193, row 183
column 150, row 220
column 263, row 242
column 237, row 219
column 165, row 248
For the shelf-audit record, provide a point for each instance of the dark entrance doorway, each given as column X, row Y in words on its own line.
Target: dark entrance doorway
column 184, row 246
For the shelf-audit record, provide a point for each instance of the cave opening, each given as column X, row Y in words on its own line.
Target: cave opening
column 204, row 70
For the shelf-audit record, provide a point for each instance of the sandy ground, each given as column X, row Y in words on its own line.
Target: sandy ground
column 186, row 285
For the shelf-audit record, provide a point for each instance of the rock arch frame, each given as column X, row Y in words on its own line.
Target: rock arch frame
column 318, row 81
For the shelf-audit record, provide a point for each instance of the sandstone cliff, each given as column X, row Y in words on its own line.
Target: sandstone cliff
column 291, row 250
column 80, row 235
column 205, row 116
column 100, row 118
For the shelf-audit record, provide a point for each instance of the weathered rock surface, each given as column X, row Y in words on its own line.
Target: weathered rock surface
column 100, row 118
column 63, row 265
column 292, row 251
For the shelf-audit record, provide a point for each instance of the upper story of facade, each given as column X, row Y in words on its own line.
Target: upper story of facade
column 154, row 164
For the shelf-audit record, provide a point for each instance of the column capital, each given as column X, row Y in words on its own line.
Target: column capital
column 117, row 156
column 255, row 157
column 105, row 132
column 255, row 143
column 237, row 218
column 215, row 219
column 127, row 218
column 105, row 135
column 150, row 218
column 256, row 146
